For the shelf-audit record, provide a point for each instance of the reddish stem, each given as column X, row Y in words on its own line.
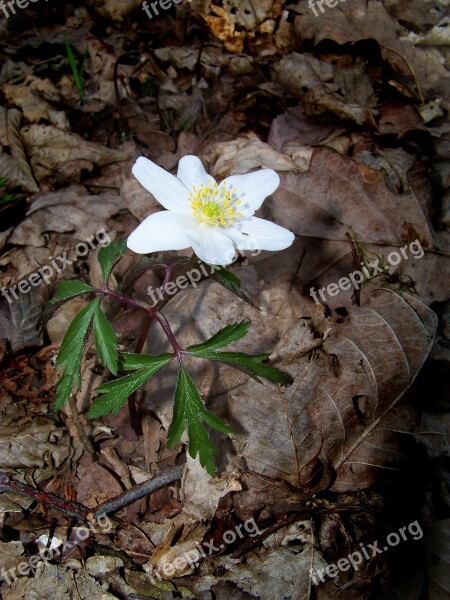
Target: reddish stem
column 153, row 313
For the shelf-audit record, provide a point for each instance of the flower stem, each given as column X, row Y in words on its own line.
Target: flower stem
column 169, row 334
column 152, row 314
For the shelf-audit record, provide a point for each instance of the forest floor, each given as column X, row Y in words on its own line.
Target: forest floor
column 336, row 486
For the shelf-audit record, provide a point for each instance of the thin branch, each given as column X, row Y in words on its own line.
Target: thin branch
column 70, row 509
column 140, row 491
column 81, row 512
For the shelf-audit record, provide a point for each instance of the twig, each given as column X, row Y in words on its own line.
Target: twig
column 140, row 491
column 81, row 512
column 70, row 509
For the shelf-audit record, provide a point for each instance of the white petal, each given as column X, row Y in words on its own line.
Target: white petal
column 163, row 230
column 167, row 189
column 259, row 234
column 253, row 188
column 192, row 172
column 211, row 245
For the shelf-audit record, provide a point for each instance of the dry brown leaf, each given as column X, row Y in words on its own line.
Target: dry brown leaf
column 71, row 210
column 351, row 22
column 293, row 125
column 53, row 151
column 115, row 9
column 338, row 196
column 19, row 318
column 14, row 167
column 322, row 88
column 223, row 26
column 56, row 582
column 32, row 443
column 34, row 96
column 376, row 356
column 269, row 574
column 248, row 153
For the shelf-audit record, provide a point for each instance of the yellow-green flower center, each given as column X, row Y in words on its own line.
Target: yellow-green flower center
column 213, row 205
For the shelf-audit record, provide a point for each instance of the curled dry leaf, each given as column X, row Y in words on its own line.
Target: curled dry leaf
column 352, row 22
column 333, row 413
column 377, row 356
column 19, row 318
column 14, row 166
column 70, row 210
column 56, row 582
column 322, row 88
column 248, row 153
column 269, row 574
column 53, row 151
column 34, row 96
column 32, row 443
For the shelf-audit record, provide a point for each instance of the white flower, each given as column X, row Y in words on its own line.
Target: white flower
column 212, row 219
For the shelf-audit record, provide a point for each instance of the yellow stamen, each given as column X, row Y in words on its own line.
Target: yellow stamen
column 214, row 206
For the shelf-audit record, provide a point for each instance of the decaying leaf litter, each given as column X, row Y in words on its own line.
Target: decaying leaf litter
column 350, row 108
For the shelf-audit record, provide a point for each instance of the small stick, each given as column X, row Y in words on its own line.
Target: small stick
column 81, row 512
column 140, row 491
column 71, row 509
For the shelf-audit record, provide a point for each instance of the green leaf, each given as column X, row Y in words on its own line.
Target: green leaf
column 233, row 284
column 71, row 353
column 65, row 291
column 131, row 362
column 70, row 289
column 105, row 341
column 188, row 412
column 200, row 445
column 78, row 73
column 109, row 255
column 118, row 391
column 250, row 364
column 216, row 423
column 225, row 336
column 64, row 390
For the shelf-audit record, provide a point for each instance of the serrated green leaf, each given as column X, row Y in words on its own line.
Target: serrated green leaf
column 65, row 291
column 200, row 445
column 189, row 412
column 233, row 284
column 71, row 353
column 214, row 421
column 131, row 362
column 71, row 289
column 64, row 389
column 118, row 391
column 225, row 336
column 250, row 364
column 109, row 255
column 105, row 341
